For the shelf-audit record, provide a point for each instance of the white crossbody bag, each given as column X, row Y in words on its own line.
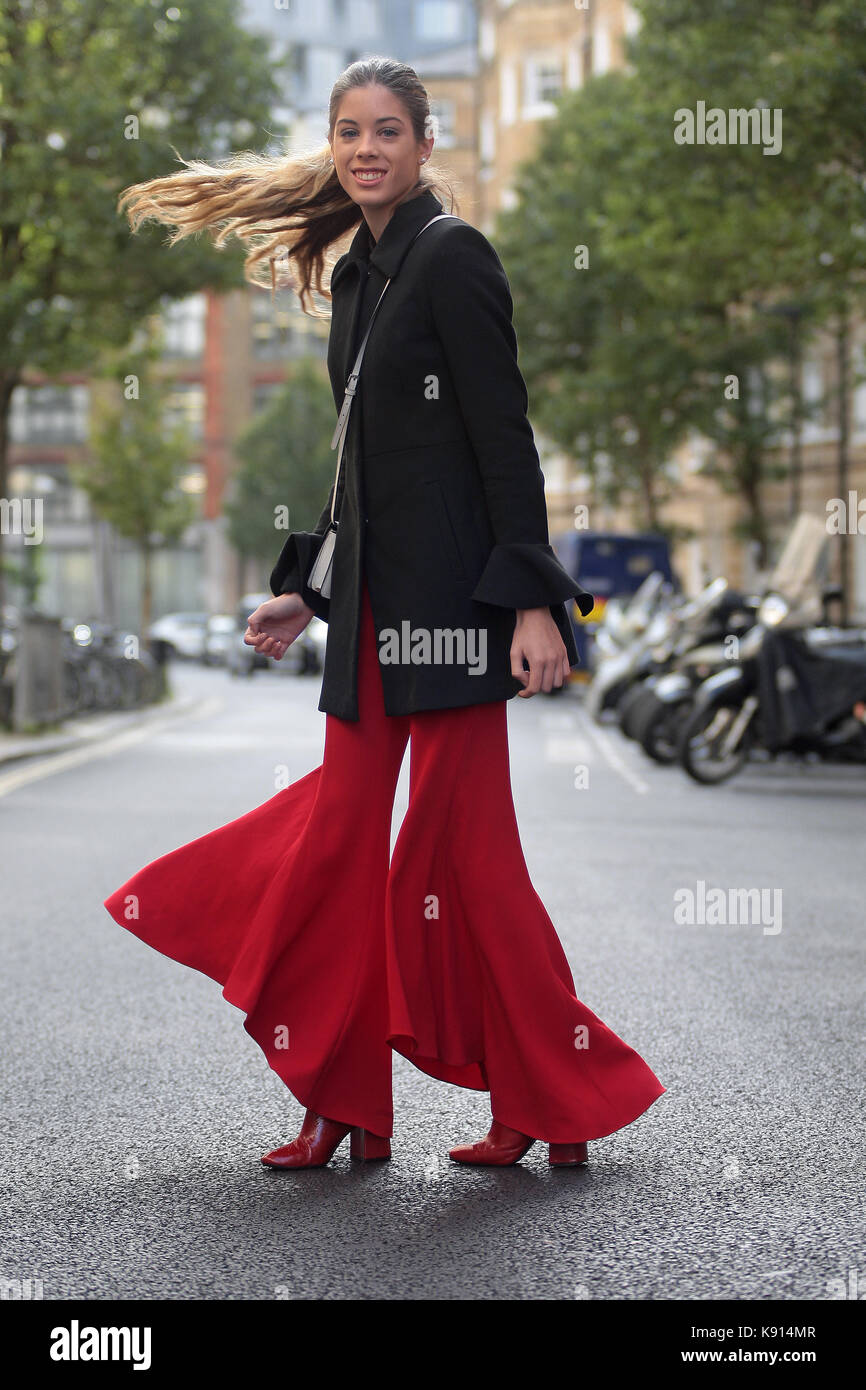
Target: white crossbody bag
column 319, row 577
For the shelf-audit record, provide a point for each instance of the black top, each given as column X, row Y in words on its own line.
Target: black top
column 369, row 295
column 452, row 533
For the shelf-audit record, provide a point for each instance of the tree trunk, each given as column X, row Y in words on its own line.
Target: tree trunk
column 796, row 419
column 146, row 592
column 842, row 455
column 751, row 489
column 8, row 382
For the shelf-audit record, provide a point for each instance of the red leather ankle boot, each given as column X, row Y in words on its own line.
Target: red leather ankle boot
column 318, row 1140
column 503, row 1146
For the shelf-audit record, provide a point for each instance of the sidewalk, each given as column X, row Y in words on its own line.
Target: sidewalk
column 87, row 728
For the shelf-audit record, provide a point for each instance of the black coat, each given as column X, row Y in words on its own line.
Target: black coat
column 441, row 496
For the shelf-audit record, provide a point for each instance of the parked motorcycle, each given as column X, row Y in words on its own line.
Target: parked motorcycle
column 623, row 641
column 800, row 689
column 708, row 627
column 699, row 644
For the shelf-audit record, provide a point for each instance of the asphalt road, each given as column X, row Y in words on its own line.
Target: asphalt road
column 135, row 1107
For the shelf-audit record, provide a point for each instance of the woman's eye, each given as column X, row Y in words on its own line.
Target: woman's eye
column 389, row 130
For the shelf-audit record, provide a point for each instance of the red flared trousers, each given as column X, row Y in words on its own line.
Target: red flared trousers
column 445, row 954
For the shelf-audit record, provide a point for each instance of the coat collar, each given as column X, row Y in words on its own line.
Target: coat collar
column 387, row 255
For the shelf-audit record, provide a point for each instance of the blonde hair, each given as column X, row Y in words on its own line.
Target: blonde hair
column 294, row 208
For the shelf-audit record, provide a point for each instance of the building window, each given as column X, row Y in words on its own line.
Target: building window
column 444, row 116
column 183, row 323
column 278, row 329
column 542, row 84
column 184, row 406
column 51, row 483
column 437, row 19
column 49, row 415
column 813, row 399
column 859, row 393
column 193, row 481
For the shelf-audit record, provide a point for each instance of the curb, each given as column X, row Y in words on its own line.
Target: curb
column 92, row 728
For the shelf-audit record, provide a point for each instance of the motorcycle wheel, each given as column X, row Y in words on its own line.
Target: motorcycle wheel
column 629, row 708
column 700, row 742
column 658, row 733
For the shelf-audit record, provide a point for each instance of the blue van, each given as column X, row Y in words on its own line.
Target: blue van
column 610, row 565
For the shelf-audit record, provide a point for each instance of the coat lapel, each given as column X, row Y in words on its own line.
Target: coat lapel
column 386, row 256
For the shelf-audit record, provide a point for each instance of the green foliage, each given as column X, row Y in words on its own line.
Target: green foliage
column 701, row 257
column 286, row 462
column 94, row 95
column 132, row 472
column 78, row 79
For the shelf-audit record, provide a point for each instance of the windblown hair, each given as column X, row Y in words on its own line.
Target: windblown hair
column 292, row 208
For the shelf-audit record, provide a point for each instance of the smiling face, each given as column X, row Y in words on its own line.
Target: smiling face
column 376, row 155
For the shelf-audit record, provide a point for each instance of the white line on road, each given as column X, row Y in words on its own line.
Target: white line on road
column 612, row 757
column 53, row 763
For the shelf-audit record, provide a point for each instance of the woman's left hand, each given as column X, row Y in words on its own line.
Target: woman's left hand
column 538, row 640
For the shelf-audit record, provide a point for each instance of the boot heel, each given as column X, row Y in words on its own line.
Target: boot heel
column 366, row 1146
column 567, row 1155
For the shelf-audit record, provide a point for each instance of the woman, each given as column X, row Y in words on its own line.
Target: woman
column 446, row 599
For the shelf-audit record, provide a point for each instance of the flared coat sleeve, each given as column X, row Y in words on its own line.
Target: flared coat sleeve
column 472, row 311
column 289, row 575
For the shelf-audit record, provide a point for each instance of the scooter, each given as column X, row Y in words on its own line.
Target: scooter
column 793, row 689
column 657, row 719
column 624, row 647
column 701, row 646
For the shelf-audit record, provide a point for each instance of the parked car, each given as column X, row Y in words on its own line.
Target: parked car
column 183, row 634
column 241, row 659
column 219, row 638
column 305, row 656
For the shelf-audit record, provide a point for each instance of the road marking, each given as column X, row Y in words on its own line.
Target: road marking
column 39, row 767
column 572, row 749
column 557, row 719
column 612, row 757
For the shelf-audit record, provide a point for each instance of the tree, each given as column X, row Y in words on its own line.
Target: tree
column 93, row 95
column 614, row 376
column 287, row 466
column 690, row 246
column 133, row 471
column 779, row 234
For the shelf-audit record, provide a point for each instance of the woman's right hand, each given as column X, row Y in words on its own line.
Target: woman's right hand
column 275, row 624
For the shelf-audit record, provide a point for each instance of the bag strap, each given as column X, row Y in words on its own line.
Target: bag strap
column 339, row 436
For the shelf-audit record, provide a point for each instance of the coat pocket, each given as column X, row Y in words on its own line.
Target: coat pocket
column 447, row 530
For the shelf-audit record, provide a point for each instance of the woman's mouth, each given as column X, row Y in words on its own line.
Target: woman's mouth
column 369, row 177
